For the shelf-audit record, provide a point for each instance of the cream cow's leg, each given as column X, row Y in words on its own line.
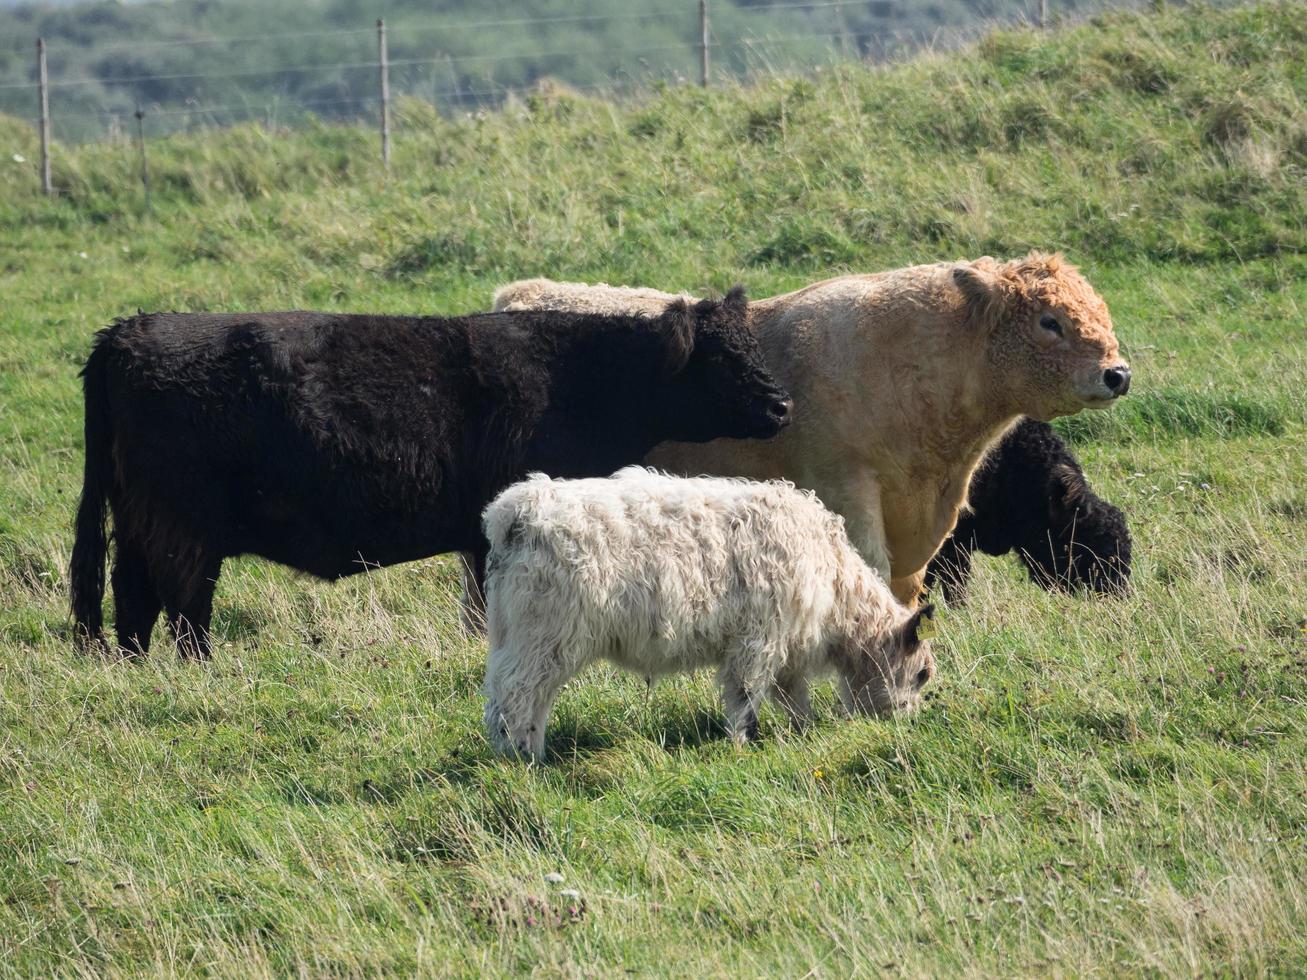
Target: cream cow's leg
column 909, row 589
column 857, row 499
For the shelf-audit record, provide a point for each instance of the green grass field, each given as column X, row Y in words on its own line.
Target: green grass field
column 1098, row 787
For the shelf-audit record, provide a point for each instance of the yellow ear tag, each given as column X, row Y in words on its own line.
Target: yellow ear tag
column 927, row 628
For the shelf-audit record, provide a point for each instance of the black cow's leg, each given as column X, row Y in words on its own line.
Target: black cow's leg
column 190, row 617
column 472, row 604
column 474, row 585
column 954, row 571
column 136, row 603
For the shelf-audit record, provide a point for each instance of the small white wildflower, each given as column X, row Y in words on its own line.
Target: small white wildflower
column 81, row 255
column 19, row 158
column 569, row 893
column 554, row 878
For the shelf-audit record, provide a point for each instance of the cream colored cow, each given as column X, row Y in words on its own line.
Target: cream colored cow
column 901, row 381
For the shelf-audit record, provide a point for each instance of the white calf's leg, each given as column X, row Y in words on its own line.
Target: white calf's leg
column 791, row 693
column 742, row 696
column 741, row 711
column 747, row 674
column 521, row 686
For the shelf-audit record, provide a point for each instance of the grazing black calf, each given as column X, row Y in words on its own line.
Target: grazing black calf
column 337, row 443
column 1030, row 496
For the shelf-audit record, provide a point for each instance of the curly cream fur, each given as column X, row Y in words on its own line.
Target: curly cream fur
column 577, row 297
column 901, row 380
column 660, row 575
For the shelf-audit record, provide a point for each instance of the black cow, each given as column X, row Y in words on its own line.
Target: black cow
column 338, row 443
column 1030, row 496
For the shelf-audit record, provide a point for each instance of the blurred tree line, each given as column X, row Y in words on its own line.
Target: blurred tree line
column 177, row 60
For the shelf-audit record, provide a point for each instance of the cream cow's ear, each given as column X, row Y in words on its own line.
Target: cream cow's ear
column 984, row 288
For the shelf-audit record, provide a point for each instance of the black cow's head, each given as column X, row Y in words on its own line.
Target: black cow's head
column 717, row 382
column 1087, row 544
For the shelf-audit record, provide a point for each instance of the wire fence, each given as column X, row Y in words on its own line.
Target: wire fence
column 356, row 79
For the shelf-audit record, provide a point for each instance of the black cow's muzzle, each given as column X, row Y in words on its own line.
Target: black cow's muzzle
column 780, row 412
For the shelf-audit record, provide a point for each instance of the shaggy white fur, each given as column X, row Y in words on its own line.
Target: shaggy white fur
column 660, row 574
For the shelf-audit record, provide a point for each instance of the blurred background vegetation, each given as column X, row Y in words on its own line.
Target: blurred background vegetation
column 214, row 62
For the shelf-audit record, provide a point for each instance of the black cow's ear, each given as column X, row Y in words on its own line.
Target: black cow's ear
column 736, row 301
column 1070, row 486
column 678, row 336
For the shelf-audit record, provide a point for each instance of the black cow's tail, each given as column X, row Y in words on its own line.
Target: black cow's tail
column 91, row 537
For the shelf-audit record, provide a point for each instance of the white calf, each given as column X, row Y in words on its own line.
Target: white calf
column 659, row 575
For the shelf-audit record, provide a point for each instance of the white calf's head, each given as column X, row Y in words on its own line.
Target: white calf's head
column 891, row 668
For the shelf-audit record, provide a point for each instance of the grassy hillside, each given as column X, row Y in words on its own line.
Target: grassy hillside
column 1096, row 787
column 172, row 58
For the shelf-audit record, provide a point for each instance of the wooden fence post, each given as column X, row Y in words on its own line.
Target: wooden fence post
column 1043, row 15
column 703, row 43
column 43, row 94
column 383, row 59
column 145, row 169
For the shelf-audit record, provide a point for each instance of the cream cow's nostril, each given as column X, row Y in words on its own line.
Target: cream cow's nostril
column 1117, row 380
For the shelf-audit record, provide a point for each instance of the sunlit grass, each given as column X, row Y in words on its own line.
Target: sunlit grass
column 1095, row 787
